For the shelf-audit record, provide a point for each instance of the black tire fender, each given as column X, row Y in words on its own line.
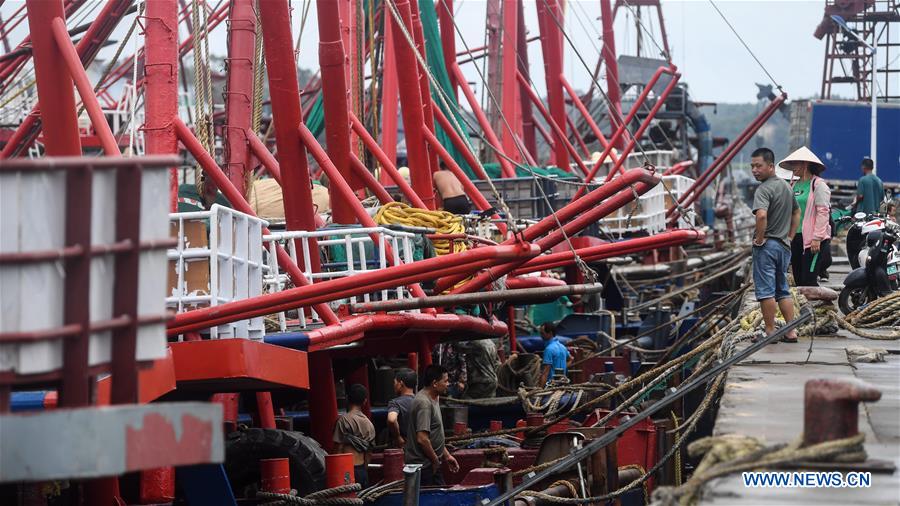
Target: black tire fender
column 245, row 448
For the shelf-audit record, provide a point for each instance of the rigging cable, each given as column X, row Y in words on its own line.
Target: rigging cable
column 589, row 273
column 736, row 34
column 620, row 119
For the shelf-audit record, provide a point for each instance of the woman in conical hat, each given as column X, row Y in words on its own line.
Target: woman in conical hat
column 811, row 247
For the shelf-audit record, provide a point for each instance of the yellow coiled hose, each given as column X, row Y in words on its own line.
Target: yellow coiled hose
column 397, row 213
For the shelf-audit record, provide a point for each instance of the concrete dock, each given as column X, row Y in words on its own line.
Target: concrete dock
column 763, row 398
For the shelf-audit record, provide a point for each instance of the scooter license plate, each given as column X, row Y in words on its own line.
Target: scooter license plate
column 891, row 269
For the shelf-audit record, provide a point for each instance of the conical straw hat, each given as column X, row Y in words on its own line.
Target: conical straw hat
column 801, row 155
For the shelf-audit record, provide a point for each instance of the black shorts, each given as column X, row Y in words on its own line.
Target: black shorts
column 458, row 205
column 432, row 477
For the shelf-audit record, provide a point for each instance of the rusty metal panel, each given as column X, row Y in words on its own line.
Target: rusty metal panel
column 110, row 441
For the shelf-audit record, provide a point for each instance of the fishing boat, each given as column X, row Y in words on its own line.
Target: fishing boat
column 205, row 246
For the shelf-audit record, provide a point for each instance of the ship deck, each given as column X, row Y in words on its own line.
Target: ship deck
column 763, row 398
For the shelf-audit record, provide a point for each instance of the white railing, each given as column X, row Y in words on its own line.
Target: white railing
column 33, row 295
column 361, row 254
column 647, row 213
column 230, row 263
column 19, row 106
column 678, row 185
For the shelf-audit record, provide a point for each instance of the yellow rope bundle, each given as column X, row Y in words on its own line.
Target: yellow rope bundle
column 397, row 213
column 751, row 320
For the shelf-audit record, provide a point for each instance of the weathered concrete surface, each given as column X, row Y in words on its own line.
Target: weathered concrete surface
column 108, row 441
column 764, row 398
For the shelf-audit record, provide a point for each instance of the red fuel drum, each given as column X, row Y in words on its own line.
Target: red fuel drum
column 339, row 470
column 275, row 475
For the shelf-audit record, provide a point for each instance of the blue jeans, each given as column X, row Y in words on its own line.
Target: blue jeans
column 771, row 262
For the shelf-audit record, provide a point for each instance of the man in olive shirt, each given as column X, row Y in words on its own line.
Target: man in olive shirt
column 777, row 217
column 425, row 444
column 481, row 368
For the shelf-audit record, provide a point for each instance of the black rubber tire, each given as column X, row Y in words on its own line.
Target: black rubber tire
column 844, row 299
column 244, row 449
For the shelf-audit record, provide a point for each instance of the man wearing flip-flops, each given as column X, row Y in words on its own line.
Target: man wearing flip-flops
column 777, row 216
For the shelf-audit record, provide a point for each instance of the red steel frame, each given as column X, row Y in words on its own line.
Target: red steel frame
column 558, row 130
column 337, row 129
column 389, row 95
column 509, row 92
column 239, row 92
column 87, row 48
column 161, row 82
column 671, row 70
column 411, row 100
column 527, row 119
column 696, row 189
column 163, row 130
column 506, row 168
column 603, row 251
column 549, row 14
column 613, row 91
column 574, row 217
column 54, row 86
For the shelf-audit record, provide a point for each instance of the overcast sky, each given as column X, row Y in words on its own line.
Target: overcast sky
column 711, row 58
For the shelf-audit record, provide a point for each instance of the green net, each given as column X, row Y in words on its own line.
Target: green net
column 493, row 171
column 438, row 67
column 436, row 64
column 316, row 119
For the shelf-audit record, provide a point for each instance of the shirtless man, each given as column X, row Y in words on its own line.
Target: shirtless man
column 451, row 192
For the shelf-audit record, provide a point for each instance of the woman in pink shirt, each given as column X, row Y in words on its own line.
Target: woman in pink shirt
column 811, row 246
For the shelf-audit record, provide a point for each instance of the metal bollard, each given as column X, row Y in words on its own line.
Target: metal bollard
column 831, row 408
column 412, row 484
column 392, row 468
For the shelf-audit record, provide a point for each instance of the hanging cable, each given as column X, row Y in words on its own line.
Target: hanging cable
column 736, row 34
column 445, row 101
column 132, row 146
column 259, row 65
column 621, row 121
column 589, row 273
column 642, row 28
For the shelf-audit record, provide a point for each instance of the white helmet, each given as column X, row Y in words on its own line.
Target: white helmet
column 870, row 226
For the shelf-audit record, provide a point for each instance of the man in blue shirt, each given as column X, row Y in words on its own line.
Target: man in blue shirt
column 556, row 355
column 869, row 189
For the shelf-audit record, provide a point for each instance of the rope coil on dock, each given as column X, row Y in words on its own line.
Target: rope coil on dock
column 724, row 455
